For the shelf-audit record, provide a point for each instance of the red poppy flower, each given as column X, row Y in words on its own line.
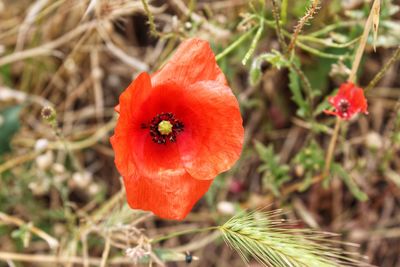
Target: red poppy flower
column 348, row 101
column 177, row 130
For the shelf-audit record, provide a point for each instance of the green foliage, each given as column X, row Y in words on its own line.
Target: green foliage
column 273, row 242
column 311, row 161
column 5, row 75
column 295, row 88
column 351, row 185
column 9, row 125
column 275, row 58
column 274, row 174
column 23, row 234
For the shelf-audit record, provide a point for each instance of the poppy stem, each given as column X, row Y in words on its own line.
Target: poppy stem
column 363, row 42
column 184, row 232
column 331, row 148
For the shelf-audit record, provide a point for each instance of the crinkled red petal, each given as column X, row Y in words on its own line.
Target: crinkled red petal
column 170, row 198
column 192, row 62
column 121, row 141
column 213, row 136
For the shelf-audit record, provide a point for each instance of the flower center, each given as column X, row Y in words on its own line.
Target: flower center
column 164, row 127
column 343, row 106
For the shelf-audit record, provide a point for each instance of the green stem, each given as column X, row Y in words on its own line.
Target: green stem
column 278, row 30
column 254, row 42
column 184, row 232
column 234, row 44
column 379, row 75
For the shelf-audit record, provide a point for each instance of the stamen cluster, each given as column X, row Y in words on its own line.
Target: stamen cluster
column 159, row 138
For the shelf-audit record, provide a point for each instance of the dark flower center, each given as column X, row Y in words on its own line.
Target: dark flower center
column 164, row 127
column 343, row 106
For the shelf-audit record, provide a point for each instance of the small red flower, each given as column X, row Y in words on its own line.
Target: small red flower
column 348, row 101
column 177, row 130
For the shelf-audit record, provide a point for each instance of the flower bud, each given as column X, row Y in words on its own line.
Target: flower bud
column 49, row 114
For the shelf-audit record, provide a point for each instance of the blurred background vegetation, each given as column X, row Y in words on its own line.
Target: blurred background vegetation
column 61, row 201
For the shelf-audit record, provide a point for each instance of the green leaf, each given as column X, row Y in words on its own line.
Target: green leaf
column 274, row 173
column 295, row 88
column 311, row 159
column 275, row 58
column 9, row 126
column 351, row 185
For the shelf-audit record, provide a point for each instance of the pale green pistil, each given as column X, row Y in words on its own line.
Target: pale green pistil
column 165, row 127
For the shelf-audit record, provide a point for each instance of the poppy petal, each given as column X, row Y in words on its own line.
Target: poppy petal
column 121, row 141
column 213, row 137
column 192, row 62
column 171, row 198
column 158, row 161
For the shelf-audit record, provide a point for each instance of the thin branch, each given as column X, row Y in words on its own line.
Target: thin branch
column 53, row 243
column 331, row 148
column 311, row 11
column 381, row 73
column 363, row 42
column 278, row 30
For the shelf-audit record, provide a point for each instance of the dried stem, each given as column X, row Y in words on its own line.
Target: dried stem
column 278, row 30
column 331, row 148
column 363, row 42
column 53, row 243
column 106, row 253
column 309, row 15
column 379, row 75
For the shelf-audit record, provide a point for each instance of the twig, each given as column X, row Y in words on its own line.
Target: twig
column 53, row 243
column 48, row 48
column 363, row 42
column 309, row 14
column 215, row 30
column 40, row 258
column 18, row 160
column 106, row 253
column 331, row 148
column 153, row 29
column 281, row 39
column 379, row 75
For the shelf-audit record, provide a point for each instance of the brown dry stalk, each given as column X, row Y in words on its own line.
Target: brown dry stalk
column 53, row 243
column 311, row 11
column 278, row 30
column 40, row 258
column 48, row 48
column 363, row 41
